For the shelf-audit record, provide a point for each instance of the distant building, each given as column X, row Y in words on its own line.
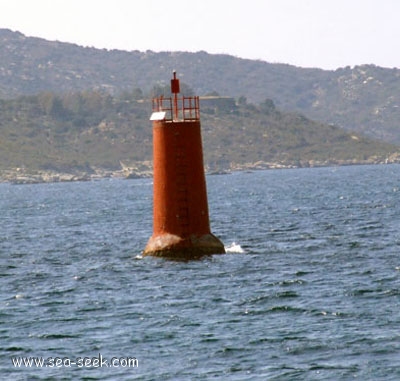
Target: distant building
column 213, row 104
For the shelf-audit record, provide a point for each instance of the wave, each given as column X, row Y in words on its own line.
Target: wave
column 234, row 248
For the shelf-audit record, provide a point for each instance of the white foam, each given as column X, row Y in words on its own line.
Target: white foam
column 234, row 248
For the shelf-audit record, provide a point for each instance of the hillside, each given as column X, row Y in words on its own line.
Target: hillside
column 365, row 98
column 92, row 133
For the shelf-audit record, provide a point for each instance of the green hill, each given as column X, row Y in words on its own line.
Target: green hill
column 93, row 132
column 69, row 109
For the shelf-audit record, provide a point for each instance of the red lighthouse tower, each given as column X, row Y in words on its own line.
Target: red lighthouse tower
column 181, row 227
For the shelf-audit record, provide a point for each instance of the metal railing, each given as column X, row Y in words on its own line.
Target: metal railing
column 177, row 108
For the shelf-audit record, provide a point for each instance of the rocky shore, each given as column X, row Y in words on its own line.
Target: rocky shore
column 260, row 165
column 144, row 169
column 26, row 176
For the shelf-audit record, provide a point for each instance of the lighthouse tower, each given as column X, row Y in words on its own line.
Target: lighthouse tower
column 181, row 226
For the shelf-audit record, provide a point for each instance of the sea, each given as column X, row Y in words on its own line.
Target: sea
column 309, row 288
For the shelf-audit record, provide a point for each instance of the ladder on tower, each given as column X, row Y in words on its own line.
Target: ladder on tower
column 181, row 166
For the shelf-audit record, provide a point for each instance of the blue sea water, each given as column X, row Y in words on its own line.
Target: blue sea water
column 310, row 288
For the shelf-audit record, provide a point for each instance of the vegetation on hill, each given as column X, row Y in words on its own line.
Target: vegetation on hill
column 92, row 130
column 363, row 99
column 66, row 108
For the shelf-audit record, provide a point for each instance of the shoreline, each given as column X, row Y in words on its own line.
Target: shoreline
column 25, row 176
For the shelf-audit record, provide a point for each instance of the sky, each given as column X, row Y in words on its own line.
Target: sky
column 326, row 34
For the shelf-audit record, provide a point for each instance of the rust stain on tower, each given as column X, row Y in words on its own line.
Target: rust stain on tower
column 181, row 226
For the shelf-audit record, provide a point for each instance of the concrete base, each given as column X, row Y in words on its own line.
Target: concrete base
column 174, row 247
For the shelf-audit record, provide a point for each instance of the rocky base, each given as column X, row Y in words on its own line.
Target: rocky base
column 171, row 246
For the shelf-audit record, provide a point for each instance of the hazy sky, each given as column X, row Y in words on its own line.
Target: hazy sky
column 309, row 33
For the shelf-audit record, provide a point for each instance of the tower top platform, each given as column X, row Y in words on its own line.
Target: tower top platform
column 175, row 108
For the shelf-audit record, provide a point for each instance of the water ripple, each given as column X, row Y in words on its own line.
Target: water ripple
column 313, row 295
